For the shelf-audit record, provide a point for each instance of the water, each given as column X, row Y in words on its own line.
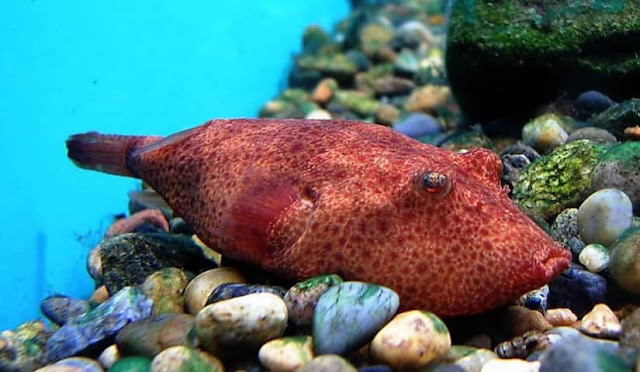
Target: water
column 143, row 67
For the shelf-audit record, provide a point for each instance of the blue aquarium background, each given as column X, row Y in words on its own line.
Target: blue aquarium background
column 130, row 67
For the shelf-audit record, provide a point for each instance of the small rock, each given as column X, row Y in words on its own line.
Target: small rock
column 347, row 315
column 515, row 159
column 324, row 91
column 565, row 226
column 560, row 317
column 92, row 331
column 241, row 324
column 618, row 117
column 624, row 263
column 94, row 264
column 136, row 223
column 286, row 354
column 474, row 361
column 418, row 125
column 604, row 216
column 314, row 39
column 59, row 309
column 100, row 295
column 536, row 299
column 630, row 335
column 374, row 38
column 392, row 86
column 357, row 102
column 429, row 99
column 578, row 354
column 226, row 291
column 386, row 114
column 166, row 288
column 591, row 103
column 301, row 299
column 577, row 289
column 517, row 320
column 510, row 365
column 601, row 322
column 336, row 65
column 376, row 368
column 318, row 115
column 327, row 363
column 595, row 257
column 544, row 133
column 200, row 287
column 632, row 133
column 148, row 337
column 406, row 64
column 132, row 364
column 75, row 364
column 23, row 348
column 182, row 358
column 593, row 134
column 411, row 340
column 618, row 168
column 109, row 356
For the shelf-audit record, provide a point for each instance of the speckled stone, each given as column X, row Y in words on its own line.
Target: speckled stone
column 59, row 309
column 75, row 364
column 23, row 348
column 166, row 288
column 619, row 168
column 226, row 291
column 510, row 365
column 287, row 353
column 536, row 299
column 559, row 180
column 624, row 262
column 148, row 337
column 601, row 322
column 604, row 216
column 93, row 330
column 241, row 324
column 595, row 257
column 565, row 226
column 327, row 363
column 412, row 339
column 200, row 287
column 560, row 317
column 545, row 132
column 347, row 315
column 131, row 364
column 301, row 299
column 184, row 359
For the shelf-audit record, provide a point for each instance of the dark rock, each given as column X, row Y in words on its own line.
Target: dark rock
column 378, row 368
column 630, row 337
column 179, row 226
column 303, row 78
column 359, row 59
column 129, row 258
column 616, row 118
column 90, row 333
column 314, row 39
column 148, row 337
column 577, row 289
column 515, row 159
column 59, row 309
column 226, row 291
column 591, row 103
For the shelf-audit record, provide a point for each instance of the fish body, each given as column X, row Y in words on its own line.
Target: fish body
column 306, row 197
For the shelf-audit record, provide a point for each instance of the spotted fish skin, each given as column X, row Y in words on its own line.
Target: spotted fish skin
column 306, row 197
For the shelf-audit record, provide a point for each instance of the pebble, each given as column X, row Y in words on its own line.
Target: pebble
column 536, row 299
column 75, row 364
column 182, row 358
column 199, row 288
column 474, row 361
column 428, row 99
column 166, row 288
column 318, row 114
column 241, row 324
column 109, row 356
column 595, row 257
column 59, row 309
column 517, row 320
column 560, row 317
column 510, row 365
column 565, row 226
column 632, row 133
column 100, row 295
column 94, row 264
column 226, row 291
column 131, row 364
column 603, row 216
column 618, row 117
column 374, row 38
column 386, row 114
column 99, row 325
column 327, row 363
column 618, row 168
column 577, row 289
column 601, row 322
column 418, row 125
column 287, row 353
column 376, row 368
column 301, row 299
column 348, row 315
column 630, row 335
column 324, row 91
column 544, row 133
column 148, row 337
column 624, row 263
column 23, row 348
column 412, row 339
column 579, row 354
column 593, row 134
column 591, row 103
column 515, row 159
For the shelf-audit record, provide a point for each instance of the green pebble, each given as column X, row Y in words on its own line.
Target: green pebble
column 131, row 364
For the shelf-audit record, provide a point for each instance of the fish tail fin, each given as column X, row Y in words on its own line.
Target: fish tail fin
column 103, row 152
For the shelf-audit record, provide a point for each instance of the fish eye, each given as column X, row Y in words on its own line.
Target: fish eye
column 436, row 183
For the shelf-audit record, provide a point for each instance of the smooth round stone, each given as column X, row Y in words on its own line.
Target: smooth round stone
column 590, row 103
column 510, row 365
column 94, row 264
column 166, row 288
column 604, row 216
column 517, row 320
column 544, row 133
column 100, row 295
column 348, row 315
column 59, row 309
column 595, row 257
column 578, row 290
column 327, row 363
column 109, row 356
column 319, row 114
column 624, row 263
column 601, row 322
column 75, row 364
column 418, row 125
column 579, row 354
column 241, row 324
column 200, row 287
column 287, row 353
column 132, row 364
column 230, row 290
column 560, row 317
column 301, row 299
column 150, row 336
column 594, row 134
column 182, row 358
column 536, row 299
column 412, row 339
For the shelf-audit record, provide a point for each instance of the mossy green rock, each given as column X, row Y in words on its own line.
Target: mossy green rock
column 336, row 65
column 360, row 104
column 619, row 168
column 528, row 52
column 23, row 348
column 166, row 288
column 618, row 117
column 559, row 180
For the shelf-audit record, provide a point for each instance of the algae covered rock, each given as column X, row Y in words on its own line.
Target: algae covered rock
column 528, row 52
column 23, row 348
column 618, row 117
column 619, row 168
column 559, row 180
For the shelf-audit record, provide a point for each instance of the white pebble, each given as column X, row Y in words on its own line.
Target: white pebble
column 604, row 216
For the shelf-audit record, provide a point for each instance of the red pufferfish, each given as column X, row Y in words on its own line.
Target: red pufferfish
column 306, row 197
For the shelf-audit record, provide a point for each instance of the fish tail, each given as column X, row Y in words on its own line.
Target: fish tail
column 103, row 152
